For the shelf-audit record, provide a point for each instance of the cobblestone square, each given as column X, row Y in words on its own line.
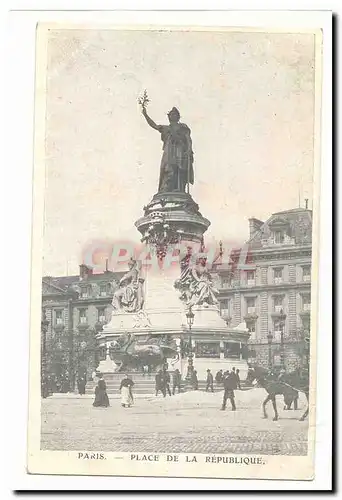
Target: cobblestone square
column 185, row 423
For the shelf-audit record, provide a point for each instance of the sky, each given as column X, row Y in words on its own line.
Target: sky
column 247, row 97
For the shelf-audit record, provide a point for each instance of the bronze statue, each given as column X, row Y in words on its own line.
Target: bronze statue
column 129, row 296
column 196, row 285
column 176, row 169
column 130, row 353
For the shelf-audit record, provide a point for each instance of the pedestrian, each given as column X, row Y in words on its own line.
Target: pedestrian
column 126, row 391
column 235, row 376
column 81, row 385
column 210, row 381
column 219, row 377
column 166, row 381
column 66, row 382
column 145, row 370
column 176, row 381
column 229, row 384
column 238, row 381
column 59, row 383
column 194, row 380
column 101, row 396
column 159, row 383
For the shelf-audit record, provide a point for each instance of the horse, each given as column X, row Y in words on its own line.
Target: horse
column 297, row 380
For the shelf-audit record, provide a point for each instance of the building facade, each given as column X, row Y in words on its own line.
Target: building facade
column 75, row 308
column 272, row 292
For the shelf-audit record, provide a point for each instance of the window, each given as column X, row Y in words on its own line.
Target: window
column 278, row 275
column 59, row 317
column 278, row 237
column 225, row 307
column 277, row 330
column 103, row 290
column 83, row 316
column 250, row 278
column 101, row 315
column 306, row 323
column 226, row 282
column 278, row 303
column 306, row 273
column 306, row 301
column 251, row 325
column 85, row 292
column 250, row 302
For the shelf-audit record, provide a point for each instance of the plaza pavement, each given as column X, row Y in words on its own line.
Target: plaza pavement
column 185, row 423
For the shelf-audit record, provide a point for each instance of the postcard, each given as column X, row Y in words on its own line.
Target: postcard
column 175, row 251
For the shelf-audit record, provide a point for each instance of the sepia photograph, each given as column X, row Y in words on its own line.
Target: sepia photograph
column 175, row 251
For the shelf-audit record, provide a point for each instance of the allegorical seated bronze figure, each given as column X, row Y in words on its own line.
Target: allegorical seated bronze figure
column 129, row 296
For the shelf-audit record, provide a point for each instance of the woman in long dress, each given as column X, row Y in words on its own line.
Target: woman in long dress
column 101, row 396
column 176, row 169
column 126, row 392
column 81, row 385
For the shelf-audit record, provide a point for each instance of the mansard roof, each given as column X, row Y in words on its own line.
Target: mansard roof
column 49, row 288
column 64, row 284
column 296, row 223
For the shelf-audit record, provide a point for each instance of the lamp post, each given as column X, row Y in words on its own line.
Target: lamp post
column 44, row 328
column 282, row 319
column 307, row 349
column 190, row 320
column 269, row 340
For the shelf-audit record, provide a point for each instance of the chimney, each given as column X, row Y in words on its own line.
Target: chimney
column 85, row 271
column 254, row 226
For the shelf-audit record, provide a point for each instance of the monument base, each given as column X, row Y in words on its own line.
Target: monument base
column 163, row 321
column 107, row 365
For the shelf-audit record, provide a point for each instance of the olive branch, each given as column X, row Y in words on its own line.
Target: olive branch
column 144, row 99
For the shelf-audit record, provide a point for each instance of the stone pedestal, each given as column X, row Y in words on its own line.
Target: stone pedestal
column 107, row 365
column 171, row 220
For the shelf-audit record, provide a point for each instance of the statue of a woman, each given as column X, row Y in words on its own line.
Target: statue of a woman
column 129, row 296
column 196, row 285
column 176, row 169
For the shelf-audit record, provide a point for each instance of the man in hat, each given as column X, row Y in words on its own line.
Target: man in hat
column 176, row 381
column 229, row 384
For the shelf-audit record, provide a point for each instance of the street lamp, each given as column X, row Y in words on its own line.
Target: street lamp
column 282, row 319
column 307, row 350
column 190, row 320
column 44, row 328
column 269, row 340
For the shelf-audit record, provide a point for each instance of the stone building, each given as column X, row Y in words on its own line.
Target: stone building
column 76, row 308
column 271, row 294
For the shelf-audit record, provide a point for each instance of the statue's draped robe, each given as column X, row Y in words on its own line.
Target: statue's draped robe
column 176, row 168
